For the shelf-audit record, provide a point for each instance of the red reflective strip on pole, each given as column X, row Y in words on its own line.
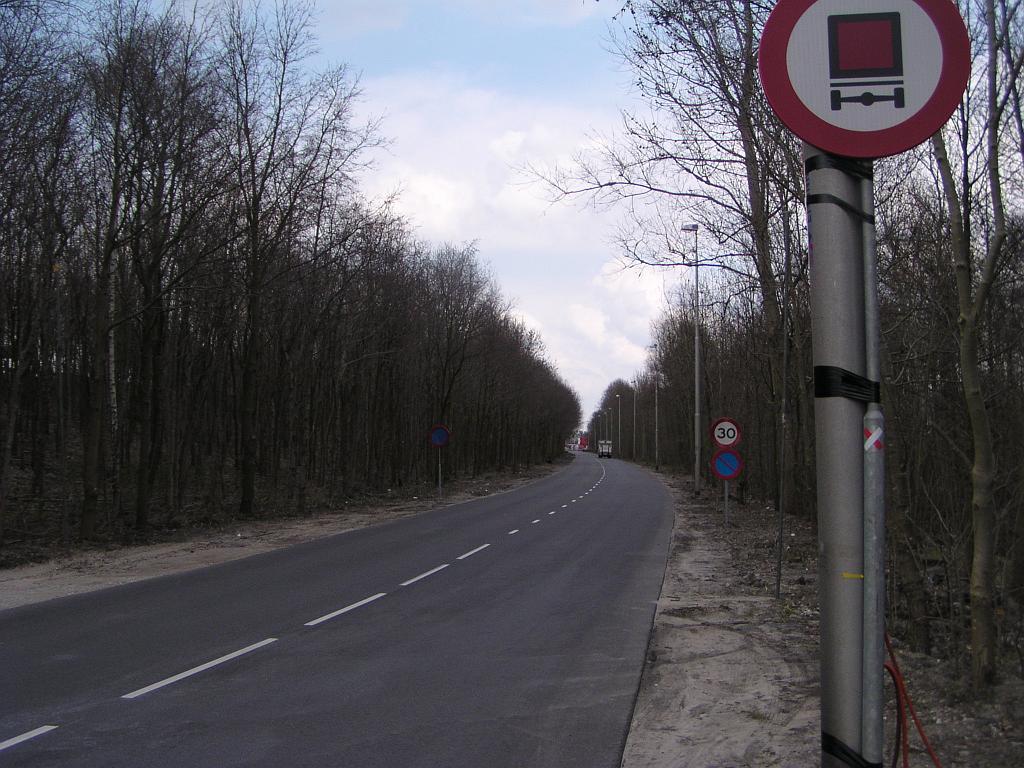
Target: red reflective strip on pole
column 873, row 439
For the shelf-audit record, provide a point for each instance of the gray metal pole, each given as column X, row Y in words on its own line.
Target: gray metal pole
column 633, row 457
column 725, row 501
column 619, row 430
column 696, row 381
column 696, row 359
column 874, row 504
column 657, row 386
column 837, row 330
column 696, row 372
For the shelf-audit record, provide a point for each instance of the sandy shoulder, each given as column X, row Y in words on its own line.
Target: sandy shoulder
column 731, row 674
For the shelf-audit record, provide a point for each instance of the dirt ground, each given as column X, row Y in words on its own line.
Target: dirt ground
column 732, row 673
column 731, row 679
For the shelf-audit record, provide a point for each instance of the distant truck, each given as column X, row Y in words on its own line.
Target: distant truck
column 604, row 449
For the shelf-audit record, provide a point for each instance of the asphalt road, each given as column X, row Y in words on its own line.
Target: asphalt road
column 506, row 631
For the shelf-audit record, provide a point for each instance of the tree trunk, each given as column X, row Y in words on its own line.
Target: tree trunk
column 983, row 523
column 248, row 435
column 7, row 447
column 971, row 299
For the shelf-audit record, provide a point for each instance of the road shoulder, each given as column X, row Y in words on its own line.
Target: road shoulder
column 731, row 673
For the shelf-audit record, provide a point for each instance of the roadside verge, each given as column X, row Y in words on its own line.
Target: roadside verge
column 731, row 673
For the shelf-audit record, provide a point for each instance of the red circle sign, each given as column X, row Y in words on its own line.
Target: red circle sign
column 867, row 84
column 726, row 432
column 726, row 464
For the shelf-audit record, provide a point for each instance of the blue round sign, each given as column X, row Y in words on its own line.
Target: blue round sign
column 726, row 464
column 439, row 436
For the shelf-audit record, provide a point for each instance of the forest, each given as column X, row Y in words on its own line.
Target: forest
column 202, row 319
column 715, row 183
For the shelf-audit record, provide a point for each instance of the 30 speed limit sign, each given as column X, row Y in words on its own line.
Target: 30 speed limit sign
column 725, row 432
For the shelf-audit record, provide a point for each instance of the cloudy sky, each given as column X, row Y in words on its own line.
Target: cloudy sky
column 470, row 91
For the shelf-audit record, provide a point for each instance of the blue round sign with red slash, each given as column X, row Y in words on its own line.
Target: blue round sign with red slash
column 439, row 435
column 726, row 464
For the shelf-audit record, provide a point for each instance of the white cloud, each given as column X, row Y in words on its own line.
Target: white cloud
column 537, row 12
column 456, row 154
column 351, row 18
column 365, row 15
column 439, row 204
column 589, row 322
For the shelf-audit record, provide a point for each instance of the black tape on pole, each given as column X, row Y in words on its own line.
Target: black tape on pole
column 830, row 381
column 827, row 162
column 833, row 200
column 830, row 745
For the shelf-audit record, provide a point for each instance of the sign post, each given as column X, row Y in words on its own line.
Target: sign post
column 855, row 81
column 726, row 464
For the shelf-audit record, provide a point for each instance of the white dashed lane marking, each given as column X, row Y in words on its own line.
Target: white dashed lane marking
column 346, row 609
column 431, row 572
column 200, row 668
column 26, row 736
column 473, row 552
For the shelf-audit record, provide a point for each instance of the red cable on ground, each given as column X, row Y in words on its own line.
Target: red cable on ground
column 903, row 700
column 901, row 720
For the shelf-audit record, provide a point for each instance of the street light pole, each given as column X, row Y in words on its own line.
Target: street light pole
column 657, row 384
column 696, row 360
column 618, row 439
column 633, row 457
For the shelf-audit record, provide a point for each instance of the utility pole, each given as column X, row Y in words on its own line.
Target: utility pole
column 657, row 386
column 618, row 399
column 696, row 360
column 633, row 457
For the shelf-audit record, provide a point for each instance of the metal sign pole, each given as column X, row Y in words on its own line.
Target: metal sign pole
column 725, row 484
column 902, row 49
column 874, row 502
column 837, row 322
column 696, row 379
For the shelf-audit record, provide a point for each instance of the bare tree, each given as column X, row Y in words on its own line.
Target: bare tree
column 978, row 231
column 291, row 137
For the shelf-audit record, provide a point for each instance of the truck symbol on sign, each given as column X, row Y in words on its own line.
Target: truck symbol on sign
column 865, row 51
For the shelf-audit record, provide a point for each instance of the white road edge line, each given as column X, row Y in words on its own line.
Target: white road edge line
column 431, row 572
column 551, row 513
column 26, row 736
column 513, row 531
column 473, row 552
column 535, row 522
column 200, row 668
column 346, row 609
